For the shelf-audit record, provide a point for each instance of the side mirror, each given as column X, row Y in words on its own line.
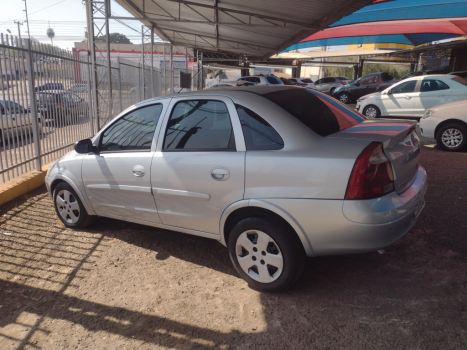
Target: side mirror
column 389, row 92
column 84, row 146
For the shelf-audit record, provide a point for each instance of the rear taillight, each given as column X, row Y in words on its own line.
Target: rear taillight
column 343, row 83
column 58, row 105
column 372, row 174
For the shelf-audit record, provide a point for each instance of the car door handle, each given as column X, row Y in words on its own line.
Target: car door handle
column 139, row 171
column 220, row 174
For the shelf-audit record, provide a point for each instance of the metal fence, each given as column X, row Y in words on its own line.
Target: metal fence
column 47, row 103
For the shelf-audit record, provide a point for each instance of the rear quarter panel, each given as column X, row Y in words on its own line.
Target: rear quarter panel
column 309, row 166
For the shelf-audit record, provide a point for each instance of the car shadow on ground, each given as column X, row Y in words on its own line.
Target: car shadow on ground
column 413, row 296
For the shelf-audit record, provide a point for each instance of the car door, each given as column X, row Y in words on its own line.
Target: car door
column 433, row 92
column 6, row 122
column 118, row 178
column 366, row 86
column 399, row 100
column 198, row 168
column 326, row 84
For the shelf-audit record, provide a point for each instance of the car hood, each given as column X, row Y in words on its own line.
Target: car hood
column 374, row 94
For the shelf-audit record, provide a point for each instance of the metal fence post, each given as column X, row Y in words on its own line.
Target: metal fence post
column 32, row 101
column 90, row 96
column 119, row 80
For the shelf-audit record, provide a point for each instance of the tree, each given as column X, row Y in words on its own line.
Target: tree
column 115, row 38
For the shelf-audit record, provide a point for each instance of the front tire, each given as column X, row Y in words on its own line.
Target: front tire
column 331, row 92
column 452, row 137
column 266, row 253
column 344, row 97
column 371, row 112
column 69, row 208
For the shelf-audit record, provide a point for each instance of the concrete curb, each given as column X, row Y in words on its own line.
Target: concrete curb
column 23, row 184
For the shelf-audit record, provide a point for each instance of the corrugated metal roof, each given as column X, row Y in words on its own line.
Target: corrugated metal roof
column 257, row 28
column 336, row 53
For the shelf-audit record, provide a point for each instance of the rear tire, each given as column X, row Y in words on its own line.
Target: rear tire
column 69, row 208
column 452, row 137
column 331, row 92
column 344, row 97
column 266, row 253
column 371, row 112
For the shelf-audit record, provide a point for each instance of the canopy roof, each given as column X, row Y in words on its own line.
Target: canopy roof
column 335, row 53
column 412, row 22
column 257, row 28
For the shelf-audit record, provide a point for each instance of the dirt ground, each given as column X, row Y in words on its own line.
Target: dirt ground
column 119, row 285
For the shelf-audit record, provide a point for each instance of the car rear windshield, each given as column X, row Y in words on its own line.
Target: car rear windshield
column 273, row 80
column 343, row 78
column 308, row 81
column 320, row 113
column 460, row 80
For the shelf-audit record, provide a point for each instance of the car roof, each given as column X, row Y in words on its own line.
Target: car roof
column 429, row 76
column 221, row 91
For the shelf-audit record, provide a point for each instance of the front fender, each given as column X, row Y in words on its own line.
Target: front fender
column 70, row 172
column 271, row 207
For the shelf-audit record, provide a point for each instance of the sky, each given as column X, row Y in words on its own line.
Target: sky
column 66, row 17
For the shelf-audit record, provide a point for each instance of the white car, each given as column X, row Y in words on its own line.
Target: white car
column 305, row 82
column 262, row 80
column 414, row 96
column 447, row 124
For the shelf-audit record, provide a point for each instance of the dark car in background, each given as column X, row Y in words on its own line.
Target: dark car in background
column 61, row 106
column 462, row 74
column 367, row 84
column 49, row 86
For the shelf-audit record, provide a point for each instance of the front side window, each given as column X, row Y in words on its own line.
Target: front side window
column 367, row 80
column 132, row 132
column 258, row 133
column 320, row 113
column 405, row 87
column 199, row 125
column 433, row 85
column 329, row 80
column 14, row 107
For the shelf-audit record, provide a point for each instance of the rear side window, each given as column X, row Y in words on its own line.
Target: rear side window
column 405, row 87
column 318, row 112
column 258, row 133
column 273, row 80
column 132, row 132
column 433, row 85
column 387, row 77
column 199, row 125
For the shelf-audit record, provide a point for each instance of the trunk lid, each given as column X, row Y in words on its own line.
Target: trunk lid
column 400, row 142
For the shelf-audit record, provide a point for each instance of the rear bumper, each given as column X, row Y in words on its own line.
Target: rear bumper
column 335, row 227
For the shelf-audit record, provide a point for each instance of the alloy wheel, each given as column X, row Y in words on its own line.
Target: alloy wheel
column 259, row 256
column 452, row 138
column 343, row 98
column 371, row 112
column 67, row 206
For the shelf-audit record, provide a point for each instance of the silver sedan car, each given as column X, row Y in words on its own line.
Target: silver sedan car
column 276, row 174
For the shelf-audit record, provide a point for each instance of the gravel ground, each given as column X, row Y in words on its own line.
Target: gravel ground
column 119, row 285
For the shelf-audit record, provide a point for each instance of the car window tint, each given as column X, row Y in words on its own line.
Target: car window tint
column 132, row 132
column 319, row 114
column 319, row 81
column 387, row 77
column 273, row 80
column 294, row 80
column 405, row 87
column 2, row 109
column 308, row 81
column 433, row 85
column 258, row 133
column 198, row 125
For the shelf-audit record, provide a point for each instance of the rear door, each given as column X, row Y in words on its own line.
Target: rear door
column 198, row 169
column 433, row 92
column 399, row 101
